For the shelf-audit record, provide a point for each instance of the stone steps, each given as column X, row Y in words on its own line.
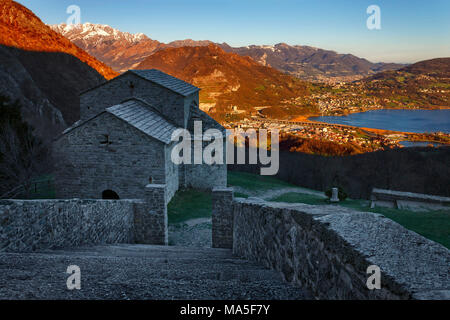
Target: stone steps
column 141, row 272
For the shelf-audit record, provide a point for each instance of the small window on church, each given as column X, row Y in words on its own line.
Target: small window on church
column 105, row 140
column 150, row 180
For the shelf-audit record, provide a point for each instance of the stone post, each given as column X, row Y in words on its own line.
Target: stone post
column 150, row 221
column 334, row 195
column 222, row 218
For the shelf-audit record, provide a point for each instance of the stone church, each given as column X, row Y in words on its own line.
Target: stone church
column 122, row 142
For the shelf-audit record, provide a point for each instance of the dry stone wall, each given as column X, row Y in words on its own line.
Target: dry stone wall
column 151, row 223
column 29, row 225
column 222, row 218
column 329, row 248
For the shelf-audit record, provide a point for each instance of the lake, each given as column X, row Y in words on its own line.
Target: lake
column 420, row 144
column 397, row 120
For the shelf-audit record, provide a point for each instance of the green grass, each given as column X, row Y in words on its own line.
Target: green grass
column 40, row 188
column 294, row 197
column 240, row 195
column 440, row 85
column 255, row 182
column 189, row 204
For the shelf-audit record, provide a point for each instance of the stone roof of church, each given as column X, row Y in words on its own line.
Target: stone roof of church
column 163, row 79
column 139, row 115
column 156, row 76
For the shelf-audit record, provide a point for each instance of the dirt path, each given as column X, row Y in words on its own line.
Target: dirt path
column 272, row 193
column 191, row 233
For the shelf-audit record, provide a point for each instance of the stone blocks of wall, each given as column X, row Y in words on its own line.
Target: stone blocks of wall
column 205, row 176
column 329, row 248
column 29, row 225
column 151, row 223
column 169, row 103
column 222, row 218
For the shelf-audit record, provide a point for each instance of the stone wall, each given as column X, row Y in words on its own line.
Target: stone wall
column 172, row 173
column 329, row 248
column 28, row 225
column 151, row 224
column 205, row 176
column 222, row 218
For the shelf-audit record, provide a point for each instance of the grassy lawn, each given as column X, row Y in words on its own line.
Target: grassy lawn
column 255, row 182
column 40, row 188
column 43, row 188
column 240, row 195
column 189, row 204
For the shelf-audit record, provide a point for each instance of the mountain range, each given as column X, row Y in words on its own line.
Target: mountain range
column 229, row 82
column 120, row 50
column 42, row 68
column 123, row 51
column 312, row 64
column 422, row 84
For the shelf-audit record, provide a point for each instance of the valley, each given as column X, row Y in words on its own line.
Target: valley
column 257, row 85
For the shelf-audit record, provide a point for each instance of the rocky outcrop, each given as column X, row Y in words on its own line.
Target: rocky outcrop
column 47, row 84
column 21, row 28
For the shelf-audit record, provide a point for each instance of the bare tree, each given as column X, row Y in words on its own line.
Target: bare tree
column 23, row 157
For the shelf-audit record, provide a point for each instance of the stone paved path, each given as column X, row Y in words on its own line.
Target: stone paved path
column 191, row 233
column 141, row 272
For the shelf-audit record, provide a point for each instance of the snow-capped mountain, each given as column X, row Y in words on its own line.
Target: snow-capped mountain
column 94, row 34
column 120, row 50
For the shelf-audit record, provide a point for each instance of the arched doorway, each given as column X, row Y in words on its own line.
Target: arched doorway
column 110, row 195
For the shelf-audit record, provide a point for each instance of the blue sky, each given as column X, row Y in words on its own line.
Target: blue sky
column 410, row 30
